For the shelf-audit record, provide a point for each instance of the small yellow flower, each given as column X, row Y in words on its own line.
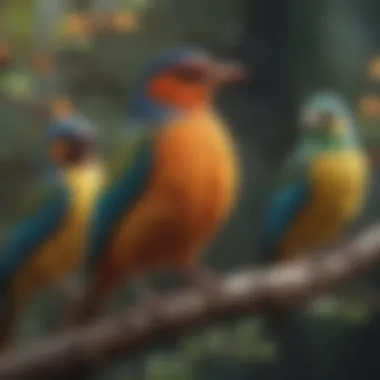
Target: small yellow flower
column 374, row 69
column 125, row 21
column 76, row 25
column 61, row 108
column 369, row 106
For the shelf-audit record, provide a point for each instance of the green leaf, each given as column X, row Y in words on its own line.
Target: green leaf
column 216, row 341
column 166, row 367
column 355, row 311
column 17, row 83
column 252, row 343
column 326, row 307
column 349, row 309
column 192, row 348
column 19, row 19
column 252, row 328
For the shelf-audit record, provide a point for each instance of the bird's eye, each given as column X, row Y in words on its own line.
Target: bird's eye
column 189, row 74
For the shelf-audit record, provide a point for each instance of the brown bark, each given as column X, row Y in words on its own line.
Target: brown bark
column 241, row 293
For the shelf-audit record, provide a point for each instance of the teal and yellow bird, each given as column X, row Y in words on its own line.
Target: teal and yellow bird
column 48, row 242
column 314, row 209
column 176, row 190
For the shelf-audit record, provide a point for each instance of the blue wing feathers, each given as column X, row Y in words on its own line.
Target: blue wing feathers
column 24, row 239
column 283, row 209
column 118, row 199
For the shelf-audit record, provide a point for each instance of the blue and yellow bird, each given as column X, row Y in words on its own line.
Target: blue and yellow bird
column 315, row 208
column 324, row 196
column 179, row 186
column 48, row 242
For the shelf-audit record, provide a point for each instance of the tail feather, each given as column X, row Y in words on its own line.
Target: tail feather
column 14, row 295
column 92, row 303
column 8, row 322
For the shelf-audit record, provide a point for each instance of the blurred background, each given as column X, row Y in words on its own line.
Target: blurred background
column 90, row 50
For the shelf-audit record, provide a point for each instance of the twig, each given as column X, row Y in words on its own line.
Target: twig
column 241, row 293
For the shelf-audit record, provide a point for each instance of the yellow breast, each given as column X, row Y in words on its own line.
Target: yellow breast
column 84, row 185
column 63, row 252
column 340, row 181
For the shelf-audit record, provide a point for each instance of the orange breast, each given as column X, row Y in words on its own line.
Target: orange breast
column 196, row 164
column 191, row 193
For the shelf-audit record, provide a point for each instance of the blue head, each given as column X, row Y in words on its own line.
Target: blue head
column 327, row 102
column 327, row 124
column 178, row 81
column 70, row 141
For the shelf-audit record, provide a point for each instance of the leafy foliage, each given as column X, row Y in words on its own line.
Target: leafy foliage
column 17, row 83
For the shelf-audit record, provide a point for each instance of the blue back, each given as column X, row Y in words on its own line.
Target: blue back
column 283, row 209
column 118, row 199
column 50, row 209
column 24, row 239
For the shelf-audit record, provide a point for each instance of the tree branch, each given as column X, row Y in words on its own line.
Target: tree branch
column 239, row 294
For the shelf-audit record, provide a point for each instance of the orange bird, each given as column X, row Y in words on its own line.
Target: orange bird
column 178, row 189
